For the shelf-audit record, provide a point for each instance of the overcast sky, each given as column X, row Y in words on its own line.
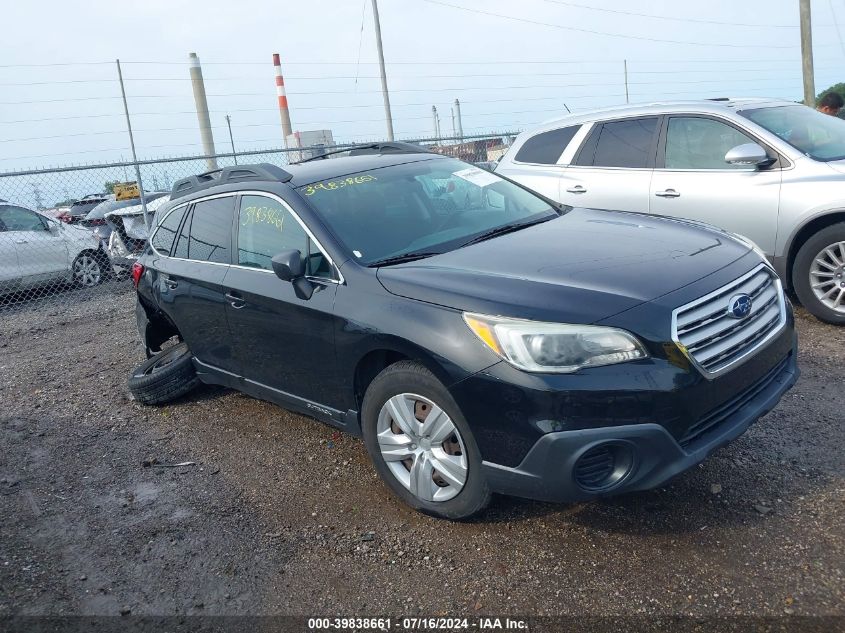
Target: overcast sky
column 512, row 64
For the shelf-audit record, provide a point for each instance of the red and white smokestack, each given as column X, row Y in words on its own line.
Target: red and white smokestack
column 283, row 99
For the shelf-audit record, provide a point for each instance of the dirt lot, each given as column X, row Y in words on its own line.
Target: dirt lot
column 280, row 514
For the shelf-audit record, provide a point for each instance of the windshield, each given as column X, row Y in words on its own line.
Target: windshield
column 819, row 136
column 429, row 206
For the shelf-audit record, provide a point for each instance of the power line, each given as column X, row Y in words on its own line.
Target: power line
column 271, row 150
column 836, row 26
column 425, row 76
column 605, row 33
column 360, row 42
column 328, row 107
column 251, row 125
column 673, row 19
column 489, row 62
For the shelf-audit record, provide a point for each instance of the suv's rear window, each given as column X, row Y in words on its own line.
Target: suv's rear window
column 625, row 143
column 547, row 147
column 211, row 230
column 166, row 233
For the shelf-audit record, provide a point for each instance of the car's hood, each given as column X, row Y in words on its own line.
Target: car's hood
column 584, row 266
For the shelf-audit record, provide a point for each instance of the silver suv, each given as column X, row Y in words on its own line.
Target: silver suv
column 773, row 171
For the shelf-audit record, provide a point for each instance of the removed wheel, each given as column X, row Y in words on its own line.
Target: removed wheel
column 87, row 270
column 164, row 377
column 420, row 443
column 818, row 274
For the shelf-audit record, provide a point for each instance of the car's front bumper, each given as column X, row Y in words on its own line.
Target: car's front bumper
column 548, row 471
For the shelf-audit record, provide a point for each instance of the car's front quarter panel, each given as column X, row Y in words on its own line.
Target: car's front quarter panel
column 369, row 319
column 809, row 191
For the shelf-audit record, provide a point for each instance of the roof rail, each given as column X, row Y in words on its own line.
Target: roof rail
column 719, row 99
column 392, row 147
column 238, row 173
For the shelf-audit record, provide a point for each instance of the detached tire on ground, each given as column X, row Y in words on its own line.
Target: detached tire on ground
column 420, row 443
column 165, row 377
column 818, row 274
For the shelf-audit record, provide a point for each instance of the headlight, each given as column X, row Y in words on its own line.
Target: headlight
column 554, row 347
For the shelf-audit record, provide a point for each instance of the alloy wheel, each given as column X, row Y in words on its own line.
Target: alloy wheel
column 827, row 277
column 86, row 271
column 422, row 447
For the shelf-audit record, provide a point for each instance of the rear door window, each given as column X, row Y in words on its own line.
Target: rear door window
column 546, row 148
column 266, row 228
column 211, row 230
column 628, row 143
column 165, row 235
column 181, row 248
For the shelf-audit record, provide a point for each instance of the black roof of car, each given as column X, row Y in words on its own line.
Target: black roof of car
column 319, row 170
column 362, row 158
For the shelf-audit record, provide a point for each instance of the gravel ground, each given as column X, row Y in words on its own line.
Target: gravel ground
column 280, row 514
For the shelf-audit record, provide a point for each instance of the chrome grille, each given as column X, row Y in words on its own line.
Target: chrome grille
column 715, row 340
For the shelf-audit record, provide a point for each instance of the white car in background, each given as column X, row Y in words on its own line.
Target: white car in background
column 773, row 171
column 36, row 250
column 129, row 231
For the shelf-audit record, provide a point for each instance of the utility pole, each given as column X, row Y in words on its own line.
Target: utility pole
column 625, row 66
column 459, row 120
column 807, row 53
column 132, row 145
column 454, row 129
column 388, row 117
column 36, row 194
column 202, row 112
column 231, row 138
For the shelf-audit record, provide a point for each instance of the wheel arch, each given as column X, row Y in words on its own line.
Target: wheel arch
column 379, row 357
column 158, row 329
column 805, row 232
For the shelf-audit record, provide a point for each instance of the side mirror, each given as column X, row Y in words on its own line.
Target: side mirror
column 748, row 154
column 289, row 265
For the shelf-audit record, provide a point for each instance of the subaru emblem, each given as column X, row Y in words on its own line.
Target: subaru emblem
column 739, row 306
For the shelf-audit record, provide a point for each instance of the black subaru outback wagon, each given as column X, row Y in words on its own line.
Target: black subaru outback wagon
column 480, row 337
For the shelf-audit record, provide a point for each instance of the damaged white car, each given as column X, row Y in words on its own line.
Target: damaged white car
column 129, row 232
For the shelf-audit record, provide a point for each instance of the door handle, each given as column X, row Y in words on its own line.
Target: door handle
column 667, row 193
column 21, row 242
column 235, row 301
column 171, row 284
column 577, row 189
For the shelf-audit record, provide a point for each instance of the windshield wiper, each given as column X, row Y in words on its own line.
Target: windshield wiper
column 507, row 228
column 401, row 259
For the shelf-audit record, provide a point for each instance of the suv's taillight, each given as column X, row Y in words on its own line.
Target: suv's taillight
column 137, row 272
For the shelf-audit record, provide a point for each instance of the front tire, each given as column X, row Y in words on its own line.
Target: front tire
column 818, row 274
column 420, row 443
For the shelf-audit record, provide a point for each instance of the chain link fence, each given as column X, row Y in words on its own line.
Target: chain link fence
column 66, row 233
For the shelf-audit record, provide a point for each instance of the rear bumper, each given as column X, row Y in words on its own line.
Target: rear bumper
column 547, row 472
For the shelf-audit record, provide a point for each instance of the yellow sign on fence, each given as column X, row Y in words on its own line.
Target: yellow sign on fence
column 126, row 190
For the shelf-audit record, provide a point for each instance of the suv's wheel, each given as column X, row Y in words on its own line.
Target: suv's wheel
column 87, row 270
column 164, row 377
column 818, row 274
column 420, row 443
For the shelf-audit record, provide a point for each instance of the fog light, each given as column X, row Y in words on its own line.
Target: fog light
column 604, row 466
